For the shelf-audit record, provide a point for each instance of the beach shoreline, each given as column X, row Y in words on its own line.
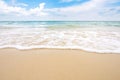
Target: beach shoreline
column 58, row 64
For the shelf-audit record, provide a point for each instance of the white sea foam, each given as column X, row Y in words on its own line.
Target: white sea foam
column 98, row 40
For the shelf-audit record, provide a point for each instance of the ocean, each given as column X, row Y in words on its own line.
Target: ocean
column 91, row 36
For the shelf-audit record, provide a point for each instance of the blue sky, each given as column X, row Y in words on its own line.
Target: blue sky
column 50, row 3
column 60, row 10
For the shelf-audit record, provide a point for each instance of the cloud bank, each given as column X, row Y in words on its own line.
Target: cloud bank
column 89, row 10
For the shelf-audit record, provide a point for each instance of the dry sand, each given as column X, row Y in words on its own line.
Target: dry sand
column 53, row 64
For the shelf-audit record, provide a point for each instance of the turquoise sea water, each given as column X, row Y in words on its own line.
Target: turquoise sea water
column 93, row 36
column 60, row 24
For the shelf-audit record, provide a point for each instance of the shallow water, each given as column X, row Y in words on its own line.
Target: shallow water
column 102, row 37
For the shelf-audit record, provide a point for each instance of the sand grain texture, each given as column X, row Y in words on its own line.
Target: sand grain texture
column 53, row 64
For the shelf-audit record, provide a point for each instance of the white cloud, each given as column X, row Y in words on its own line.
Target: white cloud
column 90, row 10
column 92, row 4
column 15, row 3
column 6, row 9
column 38, row 10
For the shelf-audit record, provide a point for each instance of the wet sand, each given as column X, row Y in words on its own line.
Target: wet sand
column 53, row 64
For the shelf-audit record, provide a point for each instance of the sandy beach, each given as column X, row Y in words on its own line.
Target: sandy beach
column 60, row 40
column 54, row 64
